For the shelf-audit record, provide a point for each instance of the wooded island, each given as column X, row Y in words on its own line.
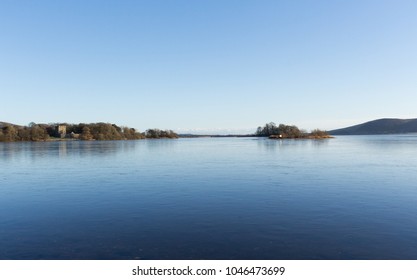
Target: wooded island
column 81, row 131
column 283, row 131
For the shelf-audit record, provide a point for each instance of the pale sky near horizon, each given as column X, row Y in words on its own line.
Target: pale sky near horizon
column 204, row 66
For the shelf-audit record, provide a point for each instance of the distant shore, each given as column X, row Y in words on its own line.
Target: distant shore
column 252, row 135
column 74, row 132
column 107, row 131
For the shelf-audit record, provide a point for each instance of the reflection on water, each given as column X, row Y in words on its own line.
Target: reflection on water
column 210, row 198
column 272, row 144
column 40, row 150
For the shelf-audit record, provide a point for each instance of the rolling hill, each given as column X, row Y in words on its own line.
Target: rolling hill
column 381, row 126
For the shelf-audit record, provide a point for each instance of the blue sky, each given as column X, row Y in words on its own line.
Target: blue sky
column 226, row 66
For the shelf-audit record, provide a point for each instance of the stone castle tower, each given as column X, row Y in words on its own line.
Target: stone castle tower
column 62, row 130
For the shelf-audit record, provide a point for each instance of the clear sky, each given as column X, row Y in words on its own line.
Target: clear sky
column 208, row 65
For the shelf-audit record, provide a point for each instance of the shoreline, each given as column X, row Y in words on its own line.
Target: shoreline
column 313, row 137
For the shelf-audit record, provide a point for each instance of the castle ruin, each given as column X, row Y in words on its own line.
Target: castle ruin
column 61, row 131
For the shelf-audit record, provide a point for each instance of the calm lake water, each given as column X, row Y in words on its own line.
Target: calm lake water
column 352, row 197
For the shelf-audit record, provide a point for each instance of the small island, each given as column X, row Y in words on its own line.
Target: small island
column 82, row 131
column 283, row 131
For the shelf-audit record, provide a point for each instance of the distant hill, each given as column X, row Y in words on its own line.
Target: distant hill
column 381, row 126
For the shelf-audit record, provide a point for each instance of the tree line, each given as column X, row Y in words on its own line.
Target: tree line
column 11, row 133
column 288, row 131
column 81, row 131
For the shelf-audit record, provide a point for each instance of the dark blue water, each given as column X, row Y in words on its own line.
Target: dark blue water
column 210, row 198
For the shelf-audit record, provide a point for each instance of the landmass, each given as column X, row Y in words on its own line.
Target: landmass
column 106, row 131
column 380, row 126
column 283, row 131
column 272, row 131
column 82, row 131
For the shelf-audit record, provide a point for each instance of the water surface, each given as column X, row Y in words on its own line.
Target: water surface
column 352, row 197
